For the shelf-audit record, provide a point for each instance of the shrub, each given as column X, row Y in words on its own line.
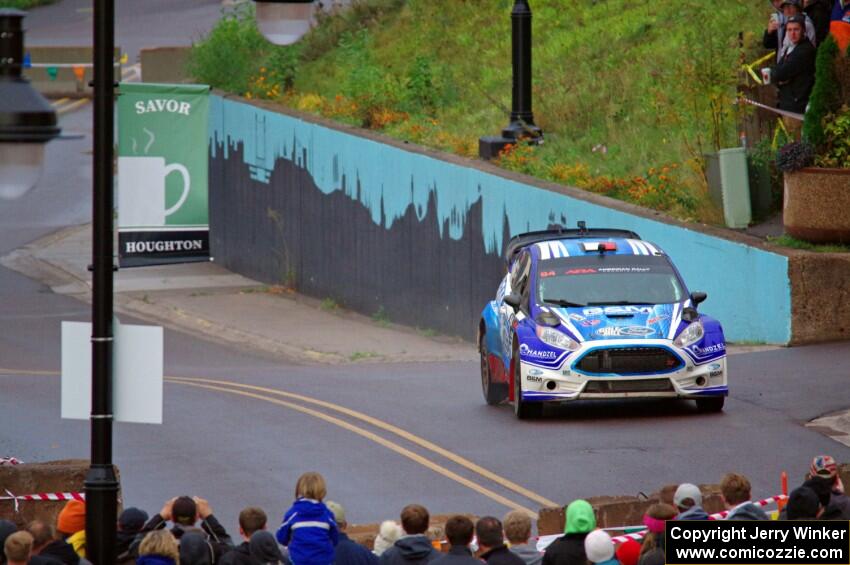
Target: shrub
column 825, row 97
column 231, row 54
column 835, row 151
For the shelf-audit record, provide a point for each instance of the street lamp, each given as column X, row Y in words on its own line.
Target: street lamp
column 27, row 120
column 521, row 125
column 283, row 22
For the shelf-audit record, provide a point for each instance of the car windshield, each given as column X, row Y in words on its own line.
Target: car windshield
column 608, row 280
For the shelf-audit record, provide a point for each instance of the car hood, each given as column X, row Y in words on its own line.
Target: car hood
column 620, row 322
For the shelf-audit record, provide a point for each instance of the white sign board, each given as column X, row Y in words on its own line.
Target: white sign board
column 137, row 368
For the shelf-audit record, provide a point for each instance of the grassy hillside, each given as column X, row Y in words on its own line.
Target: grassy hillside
column 629, row 94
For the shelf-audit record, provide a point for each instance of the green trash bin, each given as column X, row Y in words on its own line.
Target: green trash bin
column 729, row 185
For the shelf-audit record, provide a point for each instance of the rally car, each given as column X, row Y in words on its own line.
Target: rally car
column 596, row 313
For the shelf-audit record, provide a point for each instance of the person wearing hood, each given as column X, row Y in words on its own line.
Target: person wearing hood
column 414, row 546
column 388, row 534
column 569, row 548
column 688, row 499
column 628, row 552
column 775, row 36
column 309, row 529
column 491, row 541
column 264, row 549
column 599, row 548
column 518, row 531
column 158, row 548
column 735, row 490
column 195, row 550
column 130, row 523
column 459, row 533
column 652, row 550
column 348, row 552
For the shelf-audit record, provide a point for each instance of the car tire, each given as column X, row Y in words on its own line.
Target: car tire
column 711, row 404
column 494, row 393
column 523, row 410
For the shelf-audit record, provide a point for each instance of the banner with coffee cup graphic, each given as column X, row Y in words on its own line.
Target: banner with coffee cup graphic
column 163, row 160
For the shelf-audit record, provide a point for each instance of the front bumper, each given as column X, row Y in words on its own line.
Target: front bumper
column 567, row 382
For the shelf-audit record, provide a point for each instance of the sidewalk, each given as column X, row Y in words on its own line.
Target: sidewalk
column 206, row 299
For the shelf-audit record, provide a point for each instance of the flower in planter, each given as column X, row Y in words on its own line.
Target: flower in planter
column 794, row 156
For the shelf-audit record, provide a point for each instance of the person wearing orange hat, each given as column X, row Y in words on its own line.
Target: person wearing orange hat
column 71, row 523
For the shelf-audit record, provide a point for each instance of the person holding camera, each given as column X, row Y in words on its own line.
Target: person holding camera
column 775, row 36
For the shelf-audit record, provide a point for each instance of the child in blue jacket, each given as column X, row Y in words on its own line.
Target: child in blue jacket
column 308, row 529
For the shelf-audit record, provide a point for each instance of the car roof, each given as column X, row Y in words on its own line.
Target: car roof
column 523, row 240
column 557, row 248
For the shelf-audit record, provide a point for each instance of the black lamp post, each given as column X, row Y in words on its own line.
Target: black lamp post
column 101, row 483
column 521, row 124
column 27, row 120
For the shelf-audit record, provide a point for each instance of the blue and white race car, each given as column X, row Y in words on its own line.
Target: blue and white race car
column 596, row 313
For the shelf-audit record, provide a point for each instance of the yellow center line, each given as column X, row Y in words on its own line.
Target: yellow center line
column 59, row 102
column 375, row 438
column 421, row 442
column 72, row 106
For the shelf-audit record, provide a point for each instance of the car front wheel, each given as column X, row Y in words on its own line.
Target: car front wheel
column 523, row 410
column 710, row 403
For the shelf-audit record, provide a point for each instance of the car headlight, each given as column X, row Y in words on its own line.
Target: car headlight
column 692, row 334
column 551, row 336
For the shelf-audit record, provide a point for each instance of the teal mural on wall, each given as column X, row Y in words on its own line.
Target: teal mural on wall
column 749, row 290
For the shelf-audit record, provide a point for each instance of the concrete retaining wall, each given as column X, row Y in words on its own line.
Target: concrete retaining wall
column 380, row 225
column 821, row 296
column 32, row 478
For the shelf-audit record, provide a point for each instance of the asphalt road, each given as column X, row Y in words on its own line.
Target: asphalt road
column 138, row 24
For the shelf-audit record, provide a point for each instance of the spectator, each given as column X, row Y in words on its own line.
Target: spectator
column 308, row 528
column 688, row 499
column 823, row 467
column 130, row 523
column 492, row 543
column 517, row 531
column 794, row 75
column 71, row 524
column 194, row 549
column 628, row 552
column 7, row 528
column 184, row 512
column 18, row 548
column 820, row 12
column 251, row 519
column 414, row 546
column 735, row 490
column 264, row 549
column 388, row 534
column 600, row 548
column 775, row 34
column 459, row 533
column 348, row 551
column 49, row 546
column 42, row 536
column 569, row 548
column 158, row 547
column 652, row 550
column 803, row 504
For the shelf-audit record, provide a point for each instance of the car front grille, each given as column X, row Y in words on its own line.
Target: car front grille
column 629, row 361
column 639, row 385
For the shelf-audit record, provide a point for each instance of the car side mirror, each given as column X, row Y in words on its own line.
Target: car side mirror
column 698, row 297
column 513, row 300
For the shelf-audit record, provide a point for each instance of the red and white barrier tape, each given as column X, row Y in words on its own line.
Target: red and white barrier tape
column 544, row 541
column 792, row 115
column 10, row 461
column 52, row 496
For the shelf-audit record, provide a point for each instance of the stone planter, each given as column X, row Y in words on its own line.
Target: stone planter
column 816, row 206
